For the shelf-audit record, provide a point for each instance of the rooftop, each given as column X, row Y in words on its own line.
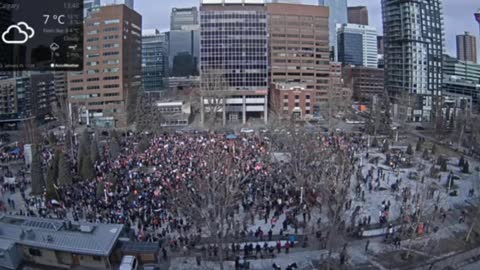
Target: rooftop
column 82, row 238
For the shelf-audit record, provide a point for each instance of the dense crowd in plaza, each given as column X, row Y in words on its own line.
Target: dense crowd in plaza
column 136, row 185
column 136, row 195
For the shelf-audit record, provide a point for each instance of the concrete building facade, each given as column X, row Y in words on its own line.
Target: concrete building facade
column 414, row 45
column 357, row 45
column 467, row 47
column 299, row 53
column 462, row 78
column 358, row 15
column 233, row 71
column 365, row 82
column 105, row 93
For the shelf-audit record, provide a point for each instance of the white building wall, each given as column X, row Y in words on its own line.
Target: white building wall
column 369, row 42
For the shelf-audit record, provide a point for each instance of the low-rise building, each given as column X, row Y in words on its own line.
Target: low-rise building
column 454, row 86
column 462, row 78
column 365, row 82
column 55, row 243
column 174, row 113
column 292, row 101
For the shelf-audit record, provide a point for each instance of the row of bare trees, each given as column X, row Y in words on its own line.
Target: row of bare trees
column 321, row 175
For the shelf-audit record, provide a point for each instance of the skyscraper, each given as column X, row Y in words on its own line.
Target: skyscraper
column 104, row 93
column 338, row 16
column 467, row 47
column 240, row 63
column 299, row 53
column 357, row 45
column 154, row 61
column 184, row 18
column 413, row 55
column 184, row 52
column 358, row 15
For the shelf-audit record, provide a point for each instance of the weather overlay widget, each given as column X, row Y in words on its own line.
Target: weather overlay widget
column 41, row 35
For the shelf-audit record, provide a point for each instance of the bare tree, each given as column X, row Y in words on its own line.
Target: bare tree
column 379, row 120
column 149, row 116
column 417, row 210
column 214, row 90
column 322, row 174
column 211, row 197
column 61, row 111
column 30, row 132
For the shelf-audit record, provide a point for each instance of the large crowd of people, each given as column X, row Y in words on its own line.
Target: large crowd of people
column 136, row 183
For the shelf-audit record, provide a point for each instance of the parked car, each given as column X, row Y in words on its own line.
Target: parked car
column 129, row 263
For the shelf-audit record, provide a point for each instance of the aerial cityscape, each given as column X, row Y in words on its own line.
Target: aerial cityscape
column 240, row 134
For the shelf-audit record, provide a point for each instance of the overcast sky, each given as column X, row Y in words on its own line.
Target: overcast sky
column 458, row 15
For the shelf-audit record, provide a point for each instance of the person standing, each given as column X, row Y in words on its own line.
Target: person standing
column 164, row 254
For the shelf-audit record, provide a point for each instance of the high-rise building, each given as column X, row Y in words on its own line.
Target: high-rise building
column 26, row 97
column 380, row 45
column 357, row 45
column 467, row 47
column 381, row 50
column 358, row 15
column 184, row 18
column 338, row 16
column 105, row 92
column 299, row 57
column 240, row 64
column 414, row 47
column 154, row 61
column 128, row 3
column 184, row 52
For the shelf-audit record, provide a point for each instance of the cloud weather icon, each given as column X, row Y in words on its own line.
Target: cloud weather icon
column 25, row 32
